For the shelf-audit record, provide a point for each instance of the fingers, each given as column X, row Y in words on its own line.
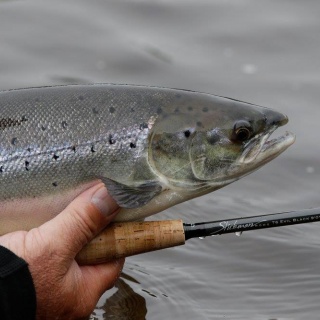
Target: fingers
column 81, row 221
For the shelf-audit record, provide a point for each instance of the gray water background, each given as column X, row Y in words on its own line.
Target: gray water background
column 264, row 52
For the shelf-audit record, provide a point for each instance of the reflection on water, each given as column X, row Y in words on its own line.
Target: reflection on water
column 123, row 304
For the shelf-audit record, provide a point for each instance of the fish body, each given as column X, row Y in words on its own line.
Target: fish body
column 152, row 147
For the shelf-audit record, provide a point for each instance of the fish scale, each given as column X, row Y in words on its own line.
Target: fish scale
column 71, row 131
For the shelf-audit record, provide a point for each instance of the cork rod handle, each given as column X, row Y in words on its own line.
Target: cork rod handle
column 130, row 238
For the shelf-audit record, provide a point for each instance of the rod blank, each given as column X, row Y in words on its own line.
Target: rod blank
column 204, row 229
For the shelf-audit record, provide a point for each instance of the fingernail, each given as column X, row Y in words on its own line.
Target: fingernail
column 102, row 200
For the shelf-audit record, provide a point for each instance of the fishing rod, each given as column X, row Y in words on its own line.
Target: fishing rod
column 130, row 238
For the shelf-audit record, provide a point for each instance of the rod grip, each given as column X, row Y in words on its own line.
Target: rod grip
column 125, row 239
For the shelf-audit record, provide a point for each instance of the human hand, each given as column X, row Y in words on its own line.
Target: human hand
column 65, row 290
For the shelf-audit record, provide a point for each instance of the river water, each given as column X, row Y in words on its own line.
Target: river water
column 264, row 52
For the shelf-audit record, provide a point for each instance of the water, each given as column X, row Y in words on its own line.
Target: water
column 265, row 52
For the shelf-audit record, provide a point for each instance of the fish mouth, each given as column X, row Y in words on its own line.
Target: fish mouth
column 260, row 150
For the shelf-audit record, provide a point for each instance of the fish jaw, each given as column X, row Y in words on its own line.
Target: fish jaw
column 273, row 148
column 262, row 150
column 258, row 152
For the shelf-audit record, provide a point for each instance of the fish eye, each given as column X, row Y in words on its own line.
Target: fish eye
column 242, row 131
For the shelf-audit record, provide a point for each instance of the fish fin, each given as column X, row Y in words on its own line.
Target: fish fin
column 132, row 197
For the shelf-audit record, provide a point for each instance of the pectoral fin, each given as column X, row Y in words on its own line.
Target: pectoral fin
column 132, row 197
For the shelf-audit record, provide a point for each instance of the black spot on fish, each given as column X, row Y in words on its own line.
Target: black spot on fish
column 1, row 169
column 27, row 165
column 112, row 109
column 111, row 140
column 92, row 149
column 81, row 98
column 24, row 118
column 187, row 133
column 73, row 148
column 29, row 149
column 55, row 184
column 132, row 110
column 95, row 111
column 159, row 110
column 64, row 124
column 55, row 157
column 190, row 108
column 14, row 141
column 43, row 128
column 205, row 109
column 132, row 145
column 143, row 126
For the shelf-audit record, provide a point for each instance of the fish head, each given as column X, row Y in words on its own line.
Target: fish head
column 213, row 141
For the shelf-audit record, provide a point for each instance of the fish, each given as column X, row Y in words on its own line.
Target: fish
column 152, row 147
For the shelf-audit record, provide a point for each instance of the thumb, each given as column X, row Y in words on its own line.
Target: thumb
column 81, row 221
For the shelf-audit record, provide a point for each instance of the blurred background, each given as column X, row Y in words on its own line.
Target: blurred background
column 264, row 52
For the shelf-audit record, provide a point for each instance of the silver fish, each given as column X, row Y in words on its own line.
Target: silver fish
column 152, row 147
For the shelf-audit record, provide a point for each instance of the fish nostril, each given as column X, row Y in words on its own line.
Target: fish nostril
column 275, row 118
